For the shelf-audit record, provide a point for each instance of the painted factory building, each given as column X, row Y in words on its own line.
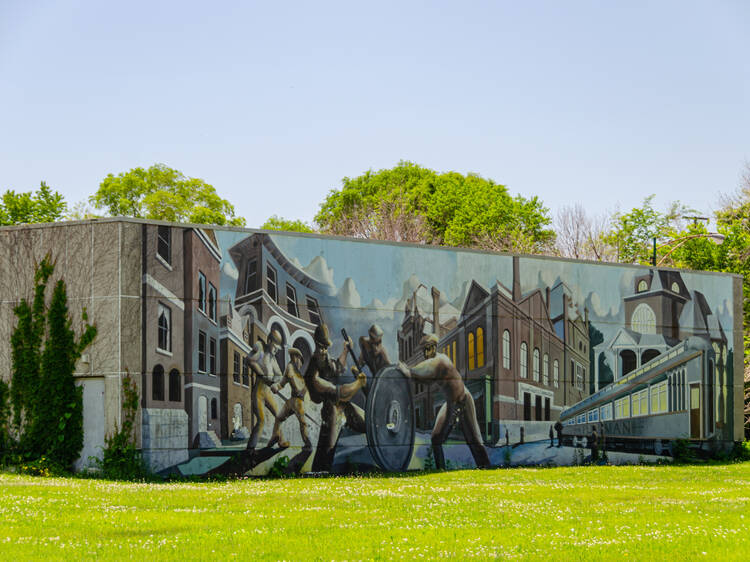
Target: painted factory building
column 237, row 341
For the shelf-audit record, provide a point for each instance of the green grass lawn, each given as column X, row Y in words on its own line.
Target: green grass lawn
column 576, row 513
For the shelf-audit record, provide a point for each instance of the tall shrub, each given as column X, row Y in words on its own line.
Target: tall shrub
column 47, row 404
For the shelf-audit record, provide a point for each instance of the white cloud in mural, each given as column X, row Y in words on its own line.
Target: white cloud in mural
column 230, row 270
column 600, row 308
column 317, row 269
column 348, row 295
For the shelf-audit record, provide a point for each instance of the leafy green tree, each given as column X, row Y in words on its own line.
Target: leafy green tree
column 280, row 223
column 160, row 192
column 416, row 204
column 44, row 205
column 632, row 233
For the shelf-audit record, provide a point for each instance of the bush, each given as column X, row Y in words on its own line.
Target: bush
column 681, row 451
column 43, row 466
column 120, row 458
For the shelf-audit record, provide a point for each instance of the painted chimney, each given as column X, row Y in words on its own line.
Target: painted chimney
column 435, row 312
column 516, row 280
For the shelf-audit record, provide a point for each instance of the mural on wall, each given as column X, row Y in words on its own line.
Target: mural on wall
column 341, row 355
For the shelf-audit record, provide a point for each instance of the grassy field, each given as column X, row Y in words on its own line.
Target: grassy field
column 581, row 513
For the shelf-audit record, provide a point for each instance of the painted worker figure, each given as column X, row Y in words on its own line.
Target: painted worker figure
column 559, row 430
column 267, row 373
column 321, row 377
column 372, row 353
column 295, row 404
column 459, row 403
column 594, row 444
column 551, row 437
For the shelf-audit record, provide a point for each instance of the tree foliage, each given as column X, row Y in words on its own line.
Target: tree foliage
column 160, row 192
column 288, row 225
column 47, row 405
column 415, row 204
column 44, row 205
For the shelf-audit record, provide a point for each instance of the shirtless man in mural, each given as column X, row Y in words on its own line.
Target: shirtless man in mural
column 372, row 353
column 295, row 404
column 459, row 403
column 321, row 378
column 264, row 366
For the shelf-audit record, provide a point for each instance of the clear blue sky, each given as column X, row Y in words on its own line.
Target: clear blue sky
column 274, row 102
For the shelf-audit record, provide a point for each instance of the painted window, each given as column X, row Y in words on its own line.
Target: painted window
column 659, row 398
column 480, row 347
column 506, row 349
column 271, row 283
column 214, row 409
column 535, row 365
column 245, row 375
column 157, row 383
column 251, row 276
column 201, row 351
column 236, row 367
column 524, row 360
column 622, row 408
column 164, row 243
column 545, row 370
column 212, row 302
column 606, row 411
column 454, row 352
column 556, row 373
column 593, row 415
column 313, row 311
column 175, row 386
column 642, row 286
column 579, row 376
column 640, row 403
column 164, row 328
column 472, row 356
column 201, row 292
column 643, row 319
column 291, row 300
column 212, row 356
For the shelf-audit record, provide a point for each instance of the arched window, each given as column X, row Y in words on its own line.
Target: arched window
column 642, row 286
column 643, row 320
column 524, row 360
column 545, row 370
column 480, row 347
column 556, row 373
column 471, row 351
column 506, row 349
column 157, row 383
column 213, row 409
column 675, row 288
column 175, row 386
column 536, row 364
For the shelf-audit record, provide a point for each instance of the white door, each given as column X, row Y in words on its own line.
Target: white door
column 202, row 413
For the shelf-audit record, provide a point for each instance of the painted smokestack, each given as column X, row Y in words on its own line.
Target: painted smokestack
column 435, row 312
column 516, row 280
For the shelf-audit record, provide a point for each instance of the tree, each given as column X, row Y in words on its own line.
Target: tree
column 414, row 204
column 632, row 233
column 44, row 205
column 160, row 192
column 581, row 236
column 280, row 223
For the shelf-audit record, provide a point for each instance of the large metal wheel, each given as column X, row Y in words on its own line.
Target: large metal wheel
column 389, row 419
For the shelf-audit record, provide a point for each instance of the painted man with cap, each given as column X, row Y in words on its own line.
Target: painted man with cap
column 295, row 404
column 372, row 353
column 438, row 367
column 263, row 365
column 322, row 376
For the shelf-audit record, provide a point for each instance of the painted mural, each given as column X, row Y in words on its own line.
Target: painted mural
column 329, row 355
